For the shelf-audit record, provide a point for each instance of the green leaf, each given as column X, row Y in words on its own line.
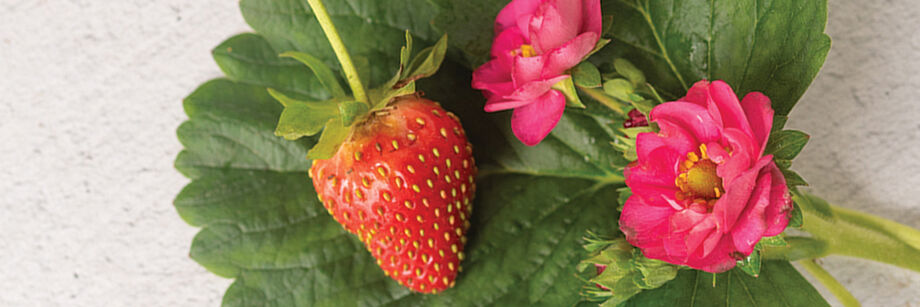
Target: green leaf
column 322, row 72
column 786, row 144
column 586, row 75
column 302, row 118
column 334, row 133
column 261, row 222
column 779, row 284
column 567, row 88
column 751, row 264
column 427, row 62
column 628, row 70
column 263, row 226
column 470, row 25
column 795, row 217
column 350, row 111
column 775, row 47
column 793, row 178
column 236, row 55
column 620, row 89
column 374, row 30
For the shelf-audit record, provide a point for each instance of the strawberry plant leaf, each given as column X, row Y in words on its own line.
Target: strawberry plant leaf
column 779, row 284
column 322, row 72
column 775, row 47
column 334, row 133
column 586, row 75
column 263, row 226
column 350, row 111
column 302, row 118
column 427, row 62
column 628, row 70
column 786, row 144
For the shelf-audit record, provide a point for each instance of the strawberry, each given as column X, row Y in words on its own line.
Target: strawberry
column 403, row 182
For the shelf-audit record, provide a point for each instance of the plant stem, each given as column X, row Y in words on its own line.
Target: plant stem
column 601, row 97
column 341, row 52
column 845, row 297
column 842, row 231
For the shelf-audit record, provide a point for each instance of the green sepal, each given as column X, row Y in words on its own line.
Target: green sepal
column 625, row 193
column 426, row 63
column 795, row 216
column 619, row 88
column 567, row 88
column 351, row 110
column 334, row 134
column 774, row 241
column 405, row 54
column 302, row 118
column 597, row 47
column 586, row 75
column 786, row 144
column 751, row 264
column 626, row 141
column 627, row 271
column 322, row 72
column 793, row 179
column 629, row 71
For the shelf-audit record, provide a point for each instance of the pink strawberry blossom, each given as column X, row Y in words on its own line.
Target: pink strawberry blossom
column 704, row 193
column 536, row 42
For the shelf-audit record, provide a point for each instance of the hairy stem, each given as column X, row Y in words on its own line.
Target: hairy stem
column 829, row 282
column 341, row 52
column 841, row 231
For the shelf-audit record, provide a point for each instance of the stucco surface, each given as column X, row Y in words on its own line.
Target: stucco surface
column 90, row 97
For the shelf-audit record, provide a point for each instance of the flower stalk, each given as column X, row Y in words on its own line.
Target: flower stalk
column 354, row 81
column 845, row 297
column 840, row 231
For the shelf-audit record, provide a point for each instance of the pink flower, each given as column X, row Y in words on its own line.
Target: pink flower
column 536, row 42
column 703, row 191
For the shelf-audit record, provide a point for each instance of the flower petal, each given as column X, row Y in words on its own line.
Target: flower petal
column 751, row 224
column 729, row 108
column 569, row 54
column 689, row 116
column 534, row 89
column 759, row 114
column 777, row 214
column 507, row 42
column 533, row 122
column 593, row 21
column 500, row 105
column 555, row 23
column 509, row 16
column 644, row 225
column 719, row 259
column 526, row 69
column 737, row 193
column 659, row 169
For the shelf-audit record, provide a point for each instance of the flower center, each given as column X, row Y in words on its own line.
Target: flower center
column 698, row 180
column 525, row 51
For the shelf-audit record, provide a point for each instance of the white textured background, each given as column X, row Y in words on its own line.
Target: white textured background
column 90, row 97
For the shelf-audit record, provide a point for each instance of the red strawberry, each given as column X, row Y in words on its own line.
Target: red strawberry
column 404, row 183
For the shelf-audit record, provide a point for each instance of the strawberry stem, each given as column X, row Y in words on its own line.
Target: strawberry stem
column 341, row 52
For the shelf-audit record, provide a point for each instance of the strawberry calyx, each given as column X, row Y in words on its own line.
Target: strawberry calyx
column 338, row 117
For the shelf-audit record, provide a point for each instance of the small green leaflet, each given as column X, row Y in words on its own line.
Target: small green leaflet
column 302, row 118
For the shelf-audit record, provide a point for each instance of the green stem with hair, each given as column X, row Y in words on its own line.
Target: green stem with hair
column 354, row 81
column 844, row 296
